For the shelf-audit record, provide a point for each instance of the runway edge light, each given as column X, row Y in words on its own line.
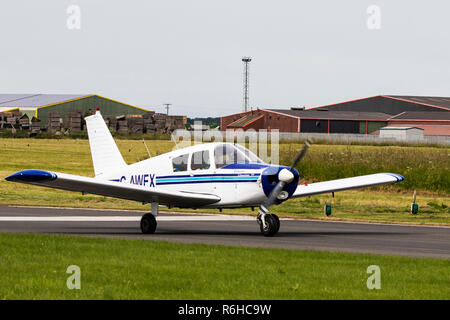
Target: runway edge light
column 414, row 205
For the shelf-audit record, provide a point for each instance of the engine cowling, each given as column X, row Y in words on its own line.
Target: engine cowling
column 271, row 176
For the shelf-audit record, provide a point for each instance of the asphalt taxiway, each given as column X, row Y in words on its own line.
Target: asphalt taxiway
column 401, row 240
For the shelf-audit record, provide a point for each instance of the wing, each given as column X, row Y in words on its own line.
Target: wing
column 346, row 184
column 113, row 189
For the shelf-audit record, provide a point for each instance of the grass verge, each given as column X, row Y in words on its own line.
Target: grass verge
column 34, row 267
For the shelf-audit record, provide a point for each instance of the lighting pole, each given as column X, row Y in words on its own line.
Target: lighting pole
column 246, row 61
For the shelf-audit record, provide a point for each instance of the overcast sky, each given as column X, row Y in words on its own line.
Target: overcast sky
column 188, row 53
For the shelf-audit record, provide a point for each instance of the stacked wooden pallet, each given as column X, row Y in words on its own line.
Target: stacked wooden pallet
column 111, row 122
column 176, row 122
column 73, row 121
column 10, row 120
column 35, row 125
column 160, row 121
column 2, row 120
column 149, row 122
column 24, row 122
column 54, row 122
column 122, row 124
column 135, row 123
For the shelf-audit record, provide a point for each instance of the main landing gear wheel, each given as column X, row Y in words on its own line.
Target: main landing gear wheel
column 148, row 223
column 272, row 225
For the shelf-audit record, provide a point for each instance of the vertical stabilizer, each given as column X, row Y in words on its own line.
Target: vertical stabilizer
column 106, row 156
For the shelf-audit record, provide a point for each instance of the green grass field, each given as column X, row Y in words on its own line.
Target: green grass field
column 34, row 267
column 388, row 204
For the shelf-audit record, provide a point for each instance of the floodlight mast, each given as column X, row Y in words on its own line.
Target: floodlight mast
column 246, row 61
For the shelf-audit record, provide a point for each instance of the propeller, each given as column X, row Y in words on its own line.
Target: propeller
column 285, row 176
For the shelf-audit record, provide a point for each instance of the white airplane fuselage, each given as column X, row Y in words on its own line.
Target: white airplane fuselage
column 237, row 184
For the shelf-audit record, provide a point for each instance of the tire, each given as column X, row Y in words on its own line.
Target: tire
column 271, row 226
column 148, row 224
column 277, row 220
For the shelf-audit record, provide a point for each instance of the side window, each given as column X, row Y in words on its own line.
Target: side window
column 220, row 156
column 200, row 160
column 180, row 163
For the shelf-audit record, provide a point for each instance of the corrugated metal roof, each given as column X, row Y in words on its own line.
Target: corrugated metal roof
column 434, row 103
column 5, row 98
column 400, row 128
column 443, row 102
column 423, row 115
column 244, row 121
column 6, row 109
column 337, row 115
column 35, row 100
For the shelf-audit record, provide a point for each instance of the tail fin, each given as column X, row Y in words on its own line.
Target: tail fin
column 106, row 156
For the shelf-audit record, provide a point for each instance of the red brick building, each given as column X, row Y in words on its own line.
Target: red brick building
column 362, row 116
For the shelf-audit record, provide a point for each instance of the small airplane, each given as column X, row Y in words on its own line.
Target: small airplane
column 210, row 175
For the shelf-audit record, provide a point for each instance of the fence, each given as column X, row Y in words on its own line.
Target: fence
column 295, row 136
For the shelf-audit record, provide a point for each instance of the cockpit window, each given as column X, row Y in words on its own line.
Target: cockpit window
column 180, row 163
column 200, row 160
column 228, row 154
column 250, row 155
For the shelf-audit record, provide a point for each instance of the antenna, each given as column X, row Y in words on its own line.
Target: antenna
column 148, row 151
column 246, row 61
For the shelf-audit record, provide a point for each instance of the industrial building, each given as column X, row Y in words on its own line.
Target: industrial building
column 362, row 116
column 435, row 123
column 56, row 112
column 401, row 133
column 41, row 105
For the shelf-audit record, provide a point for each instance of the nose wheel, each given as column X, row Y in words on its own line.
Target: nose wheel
column 271, row 224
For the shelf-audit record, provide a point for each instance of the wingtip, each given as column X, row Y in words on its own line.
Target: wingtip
column 31, row 175
column 396, row 176
column 399, row 177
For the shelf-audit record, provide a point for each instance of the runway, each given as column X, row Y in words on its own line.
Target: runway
column 401, row 240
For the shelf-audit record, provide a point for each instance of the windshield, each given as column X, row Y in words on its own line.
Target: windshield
column 250, row 155
column 228, row 154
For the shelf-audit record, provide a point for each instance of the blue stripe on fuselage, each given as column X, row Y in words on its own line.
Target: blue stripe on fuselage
column 211, row 175
column 208, row 178
column 206, row 181
column 248, row 166
column 199, row 178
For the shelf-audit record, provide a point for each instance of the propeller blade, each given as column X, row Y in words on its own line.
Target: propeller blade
column 301, row 154
column 274, row 194
column 272, row 198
